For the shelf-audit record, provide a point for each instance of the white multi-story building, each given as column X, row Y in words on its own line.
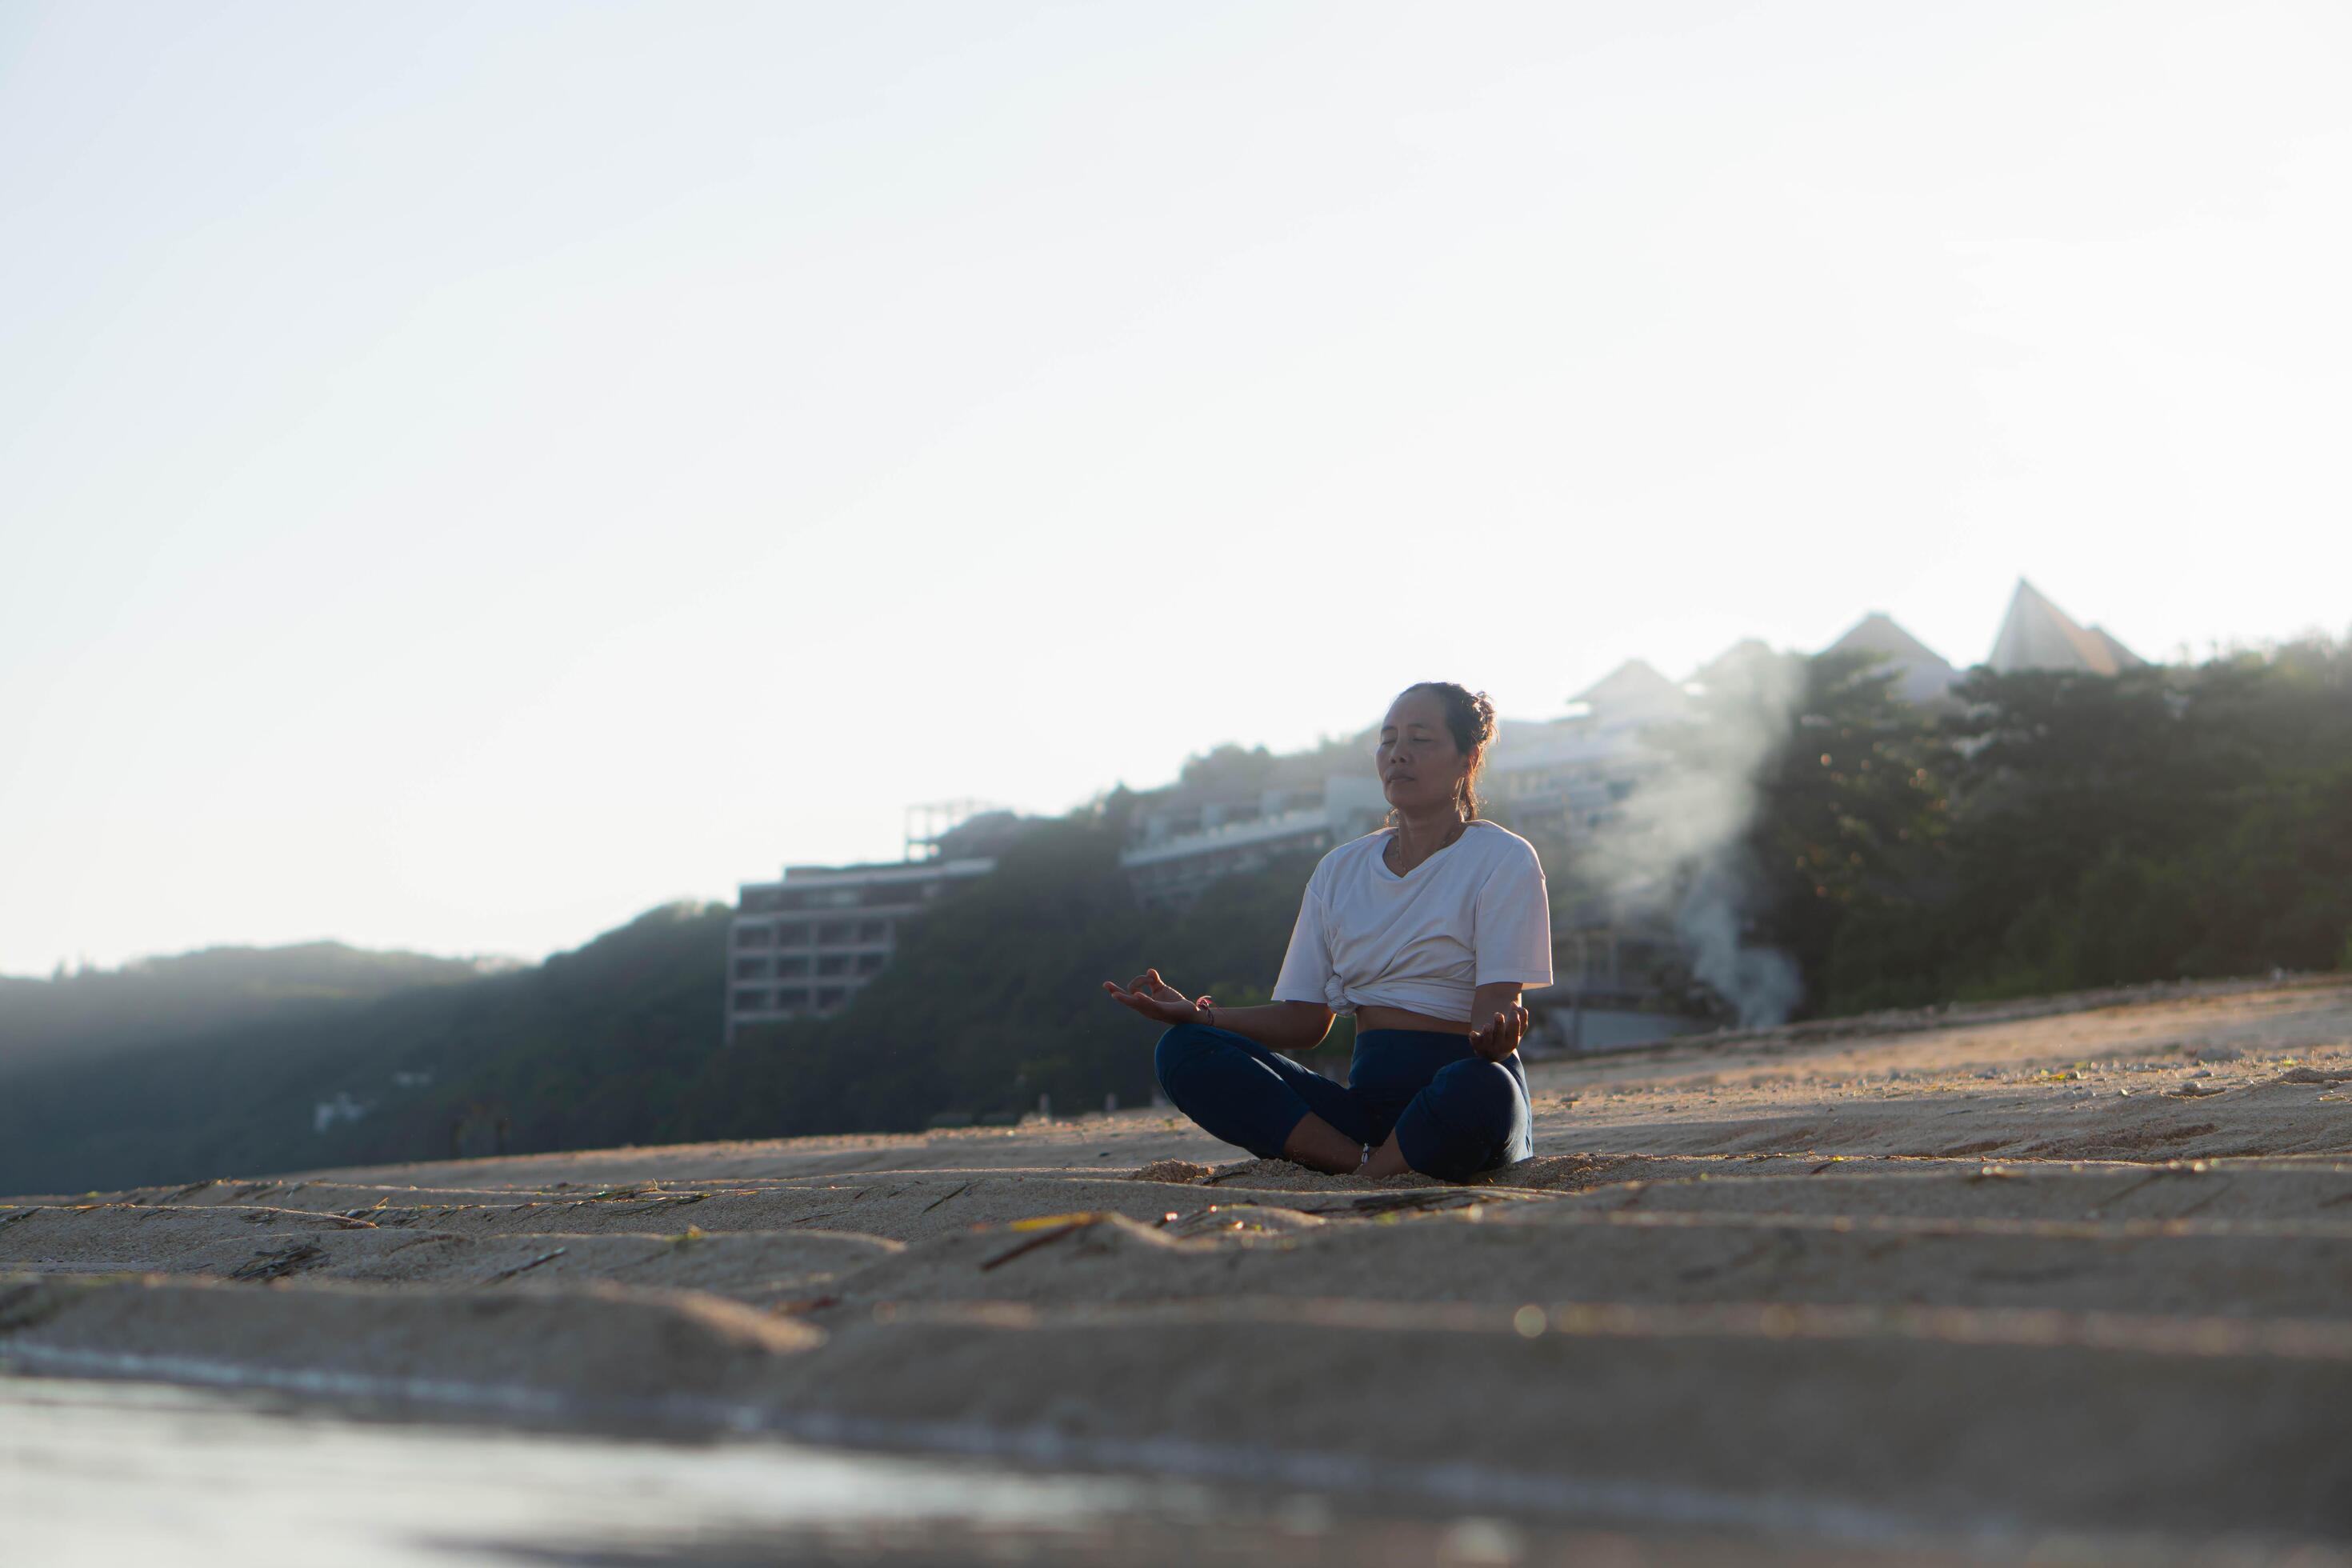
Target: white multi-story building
column 1566, row 777
column 1172, row 858
column 805, row 944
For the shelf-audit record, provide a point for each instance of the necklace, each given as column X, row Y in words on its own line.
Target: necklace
column 1393, row 854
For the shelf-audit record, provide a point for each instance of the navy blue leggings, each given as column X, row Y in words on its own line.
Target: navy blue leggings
column 1454, row 1112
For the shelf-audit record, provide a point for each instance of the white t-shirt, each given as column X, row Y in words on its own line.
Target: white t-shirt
column 1473, row 913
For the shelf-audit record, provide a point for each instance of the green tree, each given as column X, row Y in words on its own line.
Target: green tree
column 2162, row 823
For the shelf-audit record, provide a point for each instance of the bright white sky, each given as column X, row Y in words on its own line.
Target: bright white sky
column 470, row 473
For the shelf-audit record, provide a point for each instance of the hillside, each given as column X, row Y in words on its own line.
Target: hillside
column 991, row 1003
column 2053, row 835
column 589, row 1047
column 93, row 1012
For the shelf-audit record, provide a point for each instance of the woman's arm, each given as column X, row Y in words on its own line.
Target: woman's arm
column 1281, row 1025
column 1284, row 1026
column 1512, row 927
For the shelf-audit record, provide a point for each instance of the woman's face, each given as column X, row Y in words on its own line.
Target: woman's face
column 1421, row 767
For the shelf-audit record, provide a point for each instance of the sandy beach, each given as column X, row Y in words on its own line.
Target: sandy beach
column 2064, row 1281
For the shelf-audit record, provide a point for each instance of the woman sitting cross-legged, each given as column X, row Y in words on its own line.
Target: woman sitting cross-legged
column 1426, row 931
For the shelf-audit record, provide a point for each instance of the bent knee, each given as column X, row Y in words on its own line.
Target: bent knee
column 1488, row 1087
column 1471, row 1117
column 1179, row 1047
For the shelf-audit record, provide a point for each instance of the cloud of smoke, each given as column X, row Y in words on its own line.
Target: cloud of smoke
column 1674, row 852
column 1760, row 983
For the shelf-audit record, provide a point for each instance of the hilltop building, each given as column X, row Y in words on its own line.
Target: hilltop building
column 1563, row 777
column 1568, row 777
column 1630, row 696
column 802, row 946
column 2038, row 635
column 1745, row 664
column 1922, row 677
column 1174, row 851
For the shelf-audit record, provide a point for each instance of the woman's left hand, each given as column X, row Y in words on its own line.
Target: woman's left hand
column 1502, row 1033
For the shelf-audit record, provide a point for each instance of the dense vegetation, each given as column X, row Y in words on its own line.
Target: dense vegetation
column 995, row 1000
column 2046, row 834
column 2061, row 831
column 594, row 1047
column 992, row 1002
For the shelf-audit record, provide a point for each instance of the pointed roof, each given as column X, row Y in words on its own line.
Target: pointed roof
column 1878, row 633
column 2124, row 657
column 1750, row 669
column 1633, row 687
column 2038, row 635
column 1922, row 675
column 1740, row 657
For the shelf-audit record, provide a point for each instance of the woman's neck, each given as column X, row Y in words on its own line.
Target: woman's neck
column 1420, row 834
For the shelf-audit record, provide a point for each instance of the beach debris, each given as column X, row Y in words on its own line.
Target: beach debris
column 2170, row 1168
column 1410, row 1200
column 2314, row 1075
column 269, row 1266
column 1189, row 1173
column 653, row 1203
column 1253, row 1219
column 306, row 1217
column 504, row 1274
column 1061, row 1225
column 944, row 1197
column 2189, row 1088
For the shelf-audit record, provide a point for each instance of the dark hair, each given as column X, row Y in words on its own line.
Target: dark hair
column 1470, row 719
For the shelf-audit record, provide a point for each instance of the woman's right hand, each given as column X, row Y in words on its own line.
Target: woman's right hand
column 1154, row 998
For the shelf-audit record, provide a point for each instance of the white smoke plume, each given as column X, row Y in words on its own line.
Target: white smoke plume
column 1673, row 851
column 1760, row 983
